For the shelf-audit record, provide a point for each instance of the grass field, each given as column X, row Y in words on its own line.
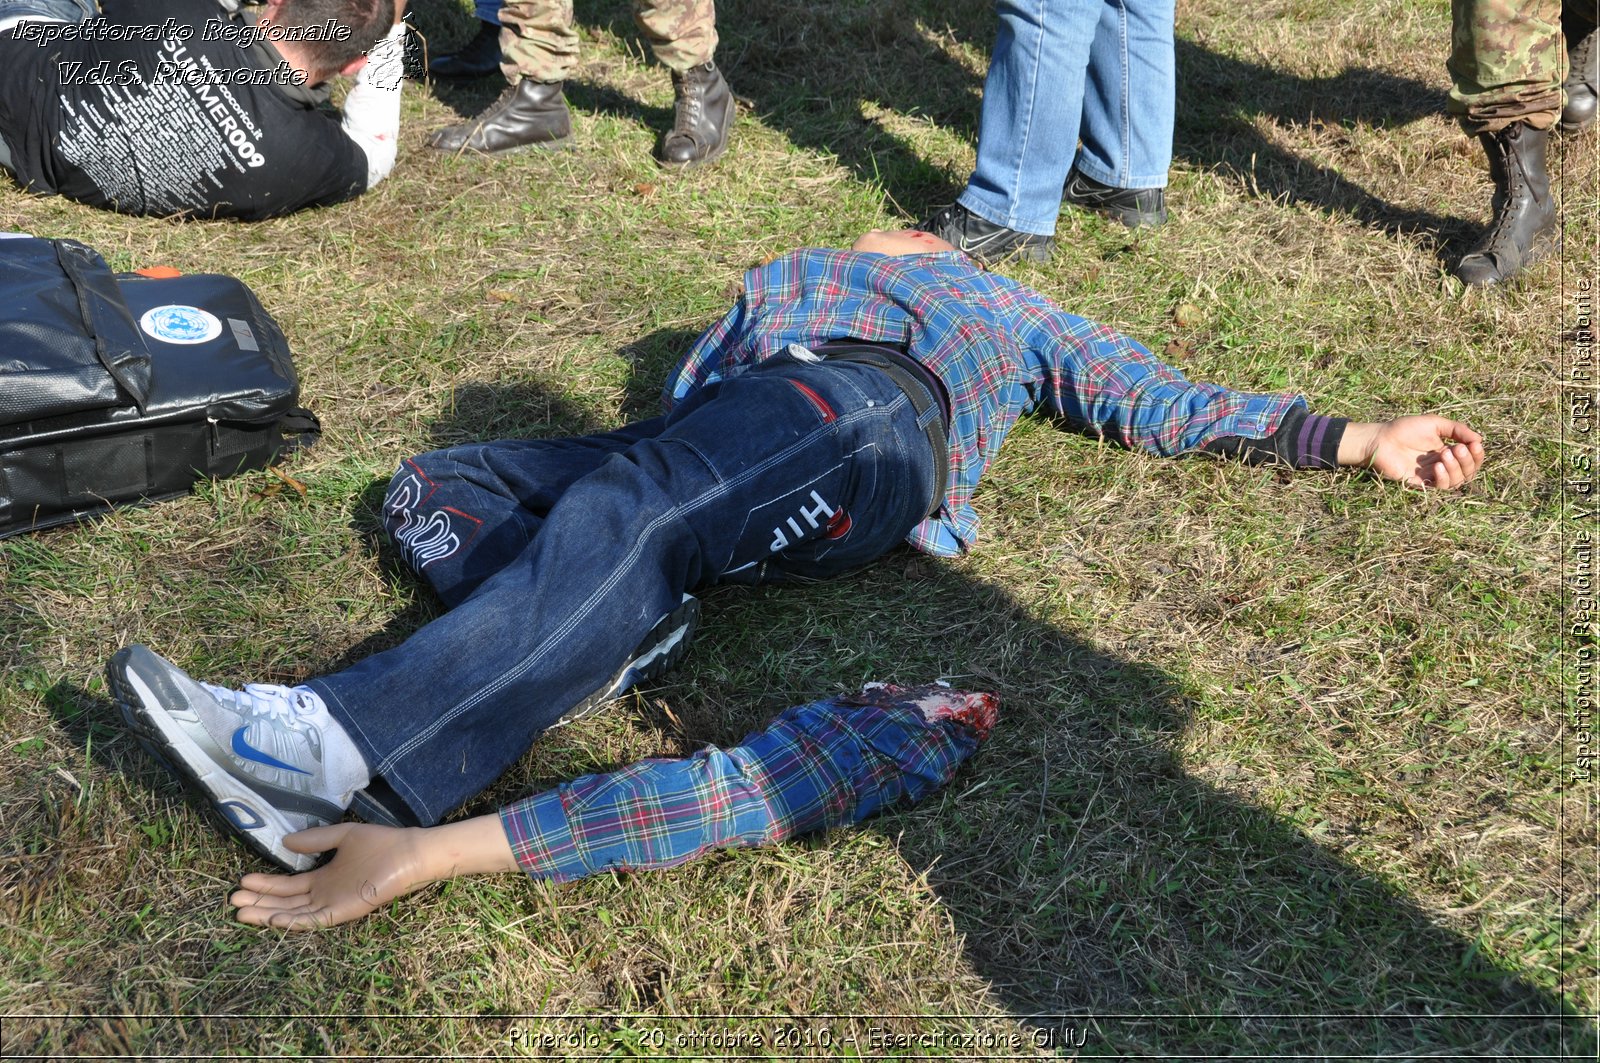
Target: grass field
column 1280, row 763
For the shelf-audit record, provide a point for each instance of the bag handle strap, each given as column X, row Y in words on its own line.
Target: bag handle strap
column 104, row 314
column 302, row 423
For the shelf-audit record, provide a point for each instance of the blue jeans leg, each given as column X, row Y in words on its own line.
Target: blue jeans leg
column 459, row 516
column 789, row 470
column 1061, row 69
column 1032, row 103
column 1129, row 97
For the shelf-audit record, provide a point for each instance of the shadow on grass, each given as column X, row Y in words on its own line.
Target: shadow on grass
column 468, row 97
column 1220, row 95
column 1100, row 887
column 650, row 360
column 1113, row 902
column 815, row 86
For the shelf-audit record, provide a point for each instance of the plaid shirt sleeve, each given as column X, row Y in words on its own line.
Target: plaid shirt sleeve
column 822, row 765
column 1096, row 378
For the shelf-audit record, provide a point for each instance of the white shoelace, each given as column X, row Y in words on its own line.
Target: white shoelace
column 262, row 701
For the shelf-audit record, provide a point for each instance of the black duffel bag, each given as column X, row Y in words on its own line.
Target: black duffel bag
column 120, row 388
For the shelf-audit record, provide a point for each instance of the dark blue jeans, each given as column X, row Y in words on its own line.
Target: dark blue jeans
column 558, row 557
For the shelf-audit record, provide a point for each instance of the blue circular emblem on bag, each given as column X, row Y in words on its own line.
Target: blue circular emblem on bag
column 180, row 324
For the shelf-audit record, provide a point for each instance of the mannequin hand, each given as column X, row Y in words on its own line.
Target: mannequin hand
column 372, row 867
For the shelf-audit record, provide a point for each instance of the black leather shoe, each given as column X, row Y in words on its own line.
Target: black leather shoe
column 529, row 114
column 479, row 58
column 1133, row 207
column 1524, row 226
column 1582, row 84
column 983, row 239
column 702, row 120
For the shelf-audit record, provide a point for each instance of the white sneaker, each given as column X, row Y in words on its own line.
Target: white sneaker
column 256, row 754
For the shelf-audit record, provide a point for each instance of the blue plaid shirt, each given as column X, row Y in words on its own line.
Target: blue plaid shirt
column 1000, row 348
column 826, row 764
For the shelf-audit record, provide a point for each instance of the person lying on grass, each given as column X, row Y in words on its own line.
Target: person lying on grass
column 849, row 401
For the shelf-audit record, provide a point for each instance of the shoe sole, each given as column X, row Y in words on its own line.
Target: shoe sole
column 1133, row 219
column 658, row 653
column 564, row 144
column 160, row 736
column 1025, row 254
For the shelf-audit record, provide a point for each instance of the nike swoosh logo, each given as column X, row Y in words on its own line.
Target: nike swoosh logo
column 249, row 752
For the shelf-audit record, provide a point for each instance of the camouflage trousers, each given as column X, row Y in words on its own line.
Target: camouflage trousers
column 1508, row 59
column 539, row 41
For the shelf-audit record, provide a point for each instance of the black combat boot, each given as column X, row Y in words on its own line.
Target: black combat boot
column 1583, row 82
column 478, row 58
column 1524, row 226
column 703, row 119
column 529, row 114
